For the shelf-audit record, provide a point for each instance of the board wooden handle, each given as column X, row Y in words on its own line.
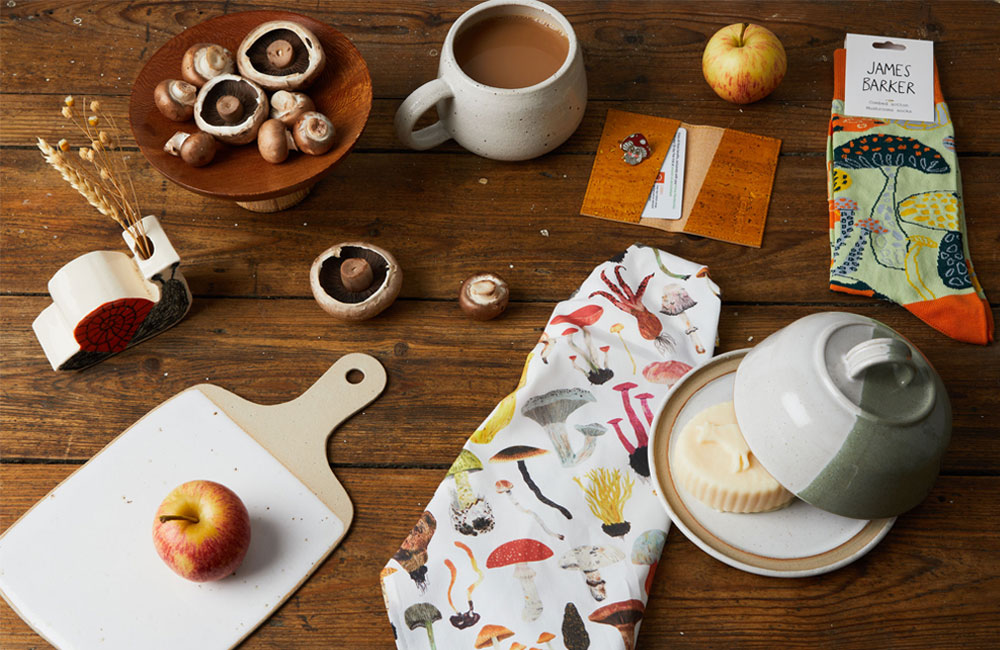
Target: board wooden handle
column 296, row 432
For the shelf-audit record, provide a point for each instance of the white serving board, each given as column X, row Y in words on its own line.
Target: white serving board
column 80, row 567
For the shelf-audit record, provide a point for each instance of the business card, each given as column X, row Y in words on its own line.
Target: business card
column 889, row 77
column 666, row 199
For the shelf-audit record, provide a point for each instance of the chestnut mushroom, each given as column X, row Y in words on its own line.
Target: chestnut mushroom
column 281, row 55
column 313, row 133
column 175, row 99
column 483, row 296
column 289, row 107
column 274, row 142
column 205, row 61
column 355, row 281
column 196, row 149
column 231, row 109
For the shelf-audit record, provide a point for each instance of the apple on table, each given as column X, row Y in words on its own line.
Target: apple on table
column 744, row 63
column 202, row 531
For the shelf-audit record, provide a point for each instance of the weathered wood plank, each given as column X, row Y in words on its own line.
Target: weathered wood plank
column 445, row 374
column 444, row 217
column 801, row 126
column 911, row 591
column 636, row 51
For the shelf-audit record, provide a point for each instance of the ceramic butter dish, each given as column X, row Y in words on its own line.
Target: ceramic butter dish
column 842, row 411
column 845, row 413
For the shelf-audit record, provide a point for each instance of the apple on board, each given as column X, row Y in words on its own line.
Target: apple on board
column 743, row 63
column 202, row 531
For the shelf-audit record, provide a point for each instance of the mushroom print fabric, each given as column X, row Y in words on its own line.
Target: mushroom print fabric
column 546, row 532
column 897, row 221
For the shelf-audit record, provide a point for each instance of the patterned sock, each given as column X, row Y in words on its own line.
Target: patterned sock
column 897, row 221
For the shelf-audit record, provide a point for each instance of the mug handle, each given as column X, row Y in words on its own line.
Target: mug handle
column 418, row 103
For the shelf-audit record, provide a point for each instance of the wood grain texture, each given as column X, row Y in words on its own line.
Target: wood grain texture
column 254, row 328
column 917, row 589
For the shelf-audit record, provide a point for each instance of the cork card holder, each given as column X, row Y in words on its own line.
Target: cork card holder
column 727, row 180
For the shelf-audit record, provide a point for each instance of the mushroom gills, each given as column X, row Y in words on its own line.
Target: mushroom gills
column 245, row 93
column 332, row 282
column 258, row 53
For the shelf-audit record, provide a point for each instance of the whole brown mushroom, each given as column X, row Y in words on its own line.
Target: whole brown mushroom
column 274, row 141
column 483, row 296
column 289, row 107
column 313, row 133
column 197, row 149
column 204, row 61
column 175, row 99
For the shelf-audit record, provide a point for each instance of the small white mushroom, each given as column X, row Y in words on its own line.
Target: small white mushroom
column 204, row 61
column 175, row 99
column 274, row 142
column 313, row 133
column 289, row 107
column 590, row 559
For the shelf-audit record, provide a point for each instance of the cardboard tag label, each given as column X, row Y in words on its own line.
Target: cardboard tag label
column 666, row 200
column 889, row 77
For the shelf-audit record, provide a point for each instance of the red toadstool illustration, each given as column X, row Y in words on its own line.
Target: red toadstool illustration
column 597, row 373
column 519, row 553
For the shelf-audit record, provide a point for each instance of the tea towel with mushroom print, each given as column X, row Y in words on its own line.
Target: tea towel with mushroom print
column 546, row 532
column 897, row 218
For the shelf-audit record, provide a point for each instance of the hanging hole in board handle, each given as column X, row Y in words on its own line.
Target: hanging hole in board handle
column 875, row 352
column 354, row 376
column 889, row 45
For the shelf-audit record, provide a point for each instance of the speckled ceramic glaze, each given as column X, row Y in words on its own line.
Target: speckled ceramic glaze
column 846, row 413
column 498, row 123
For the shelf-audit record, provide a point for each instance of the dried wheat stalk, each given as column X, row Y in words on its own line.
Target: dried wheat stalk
column 108, row 185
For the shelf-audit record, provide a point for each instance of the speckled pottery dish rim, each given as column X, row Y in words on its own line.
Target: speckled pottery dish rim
column 806, row 541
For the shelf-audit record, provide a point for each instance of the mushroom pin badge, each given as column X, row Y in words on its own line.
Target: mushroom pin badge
column 636, row 148
column 106, row 301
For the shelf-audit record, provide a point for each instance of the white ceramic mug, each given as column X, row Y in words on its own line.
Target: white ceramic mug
column 499, row 123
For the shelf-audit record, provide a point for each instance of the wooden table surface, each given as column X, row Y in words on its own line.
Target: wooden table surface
column 934, row 582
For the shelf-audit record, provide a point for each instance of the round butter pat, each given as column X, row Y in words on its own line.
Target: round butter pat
column 713, row 462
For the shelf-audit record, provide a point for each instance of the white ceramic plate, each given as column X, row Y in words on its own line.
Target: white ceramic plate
column 796, row 541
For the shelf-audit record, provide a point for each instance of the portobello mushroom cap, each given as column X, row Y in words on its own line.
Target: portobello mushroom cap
column 266, row 61
column 355, row 280
column 251, row 97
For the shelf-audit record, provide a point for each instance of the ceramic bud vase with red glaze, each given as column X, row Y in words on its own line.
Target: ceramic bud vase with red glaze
column 106, row 301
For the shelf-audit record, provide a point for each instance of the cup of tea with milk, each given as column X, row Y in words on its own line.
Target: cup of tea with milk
column 511, row 84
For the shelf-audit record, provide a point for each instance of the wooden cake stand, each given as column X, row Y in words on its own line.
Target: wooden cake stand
column 342, row 92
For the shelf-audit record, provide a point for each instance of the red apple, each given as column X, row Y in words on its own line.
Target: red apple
column 743, row 63
column 202, row 531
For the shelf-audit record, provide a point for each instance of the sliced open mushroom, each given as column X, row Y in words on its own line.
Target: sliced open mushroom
column 215, row 95
column 289, row 107
column 205, row 61
column 274, row 141
column 175, row 99
column 355, row 281
column 313, row 133
column 281, row 55
column 483, row 296
column 197, row 149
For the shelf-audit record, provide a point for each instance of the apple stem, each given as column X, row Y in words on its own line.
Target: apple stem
column 165, row 518
column 742, row 32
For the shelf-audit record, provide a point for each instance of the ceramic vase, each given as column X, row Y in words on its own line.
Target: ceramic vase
column 104, row 302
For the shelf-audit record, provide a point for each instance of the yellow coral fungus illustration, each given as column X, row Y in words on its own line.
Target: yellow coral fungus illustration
column 607, row 492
